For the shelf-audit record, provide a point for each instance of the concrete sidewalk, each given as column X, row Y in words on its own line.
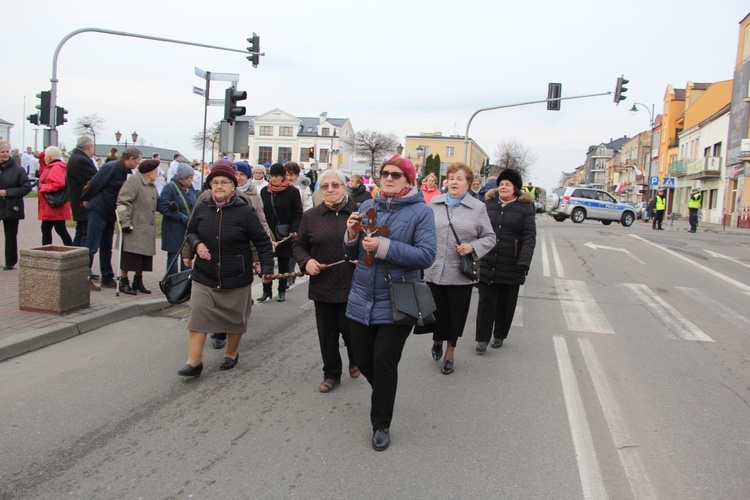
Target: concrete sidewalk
column 23, row 331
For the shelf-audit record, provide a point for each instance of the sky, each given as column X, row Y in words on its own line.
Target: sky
column 401, row 67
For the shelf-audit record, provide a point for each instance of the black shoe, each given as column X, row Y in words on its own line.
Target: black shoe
column 190, row 371
column 281, row 297
column 264, row 297
column 8, row 268
column 481, row 347
column 447, row 368
column 138, row 285
column 219, row 343
column 229, row 363
column 497, row 343
column 381, row 439
column 125, row 287
column 437, row 351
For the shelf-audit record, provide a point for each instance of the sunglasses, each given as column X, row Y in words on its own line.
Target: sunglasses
column 393, row 174
column 334, row 185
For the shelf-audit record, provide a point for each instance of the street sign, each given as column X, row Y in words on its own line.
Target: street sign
column 669, row 182
column 216, row 102
column 199, row 72
column 653, row 181
column 225, row 77
column 199, row 91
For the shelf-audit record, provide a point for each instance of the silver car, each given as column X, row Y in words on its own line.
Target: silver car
column 581, row 203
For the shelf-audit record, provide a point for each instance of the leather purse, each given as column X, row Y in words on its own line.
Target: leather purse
column 469, row 264
column 57, row 198
column 177, row 287
column 411, row 303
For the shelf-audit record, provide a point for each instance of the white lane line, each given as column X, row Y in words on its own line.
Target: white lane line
column 668, row 315
column 518, row 315
column 741, row 286
column 545, row 257
column 640, row 484
column 726, row 313
column 730, row 259
column 556, row 258
column 581, row 311
column 589, row 473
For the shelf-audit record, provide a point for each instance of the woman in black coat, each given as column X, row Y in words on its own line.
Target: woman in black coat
column 283, row 208
column 14, row 185
column 176, row 204
column 503, row 270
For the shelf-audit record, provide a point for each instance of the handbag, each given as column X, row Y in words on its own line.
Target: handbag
column 177, row 287
column 411, row 303
column 469, row 265
column 57, row 198
column 282, row 230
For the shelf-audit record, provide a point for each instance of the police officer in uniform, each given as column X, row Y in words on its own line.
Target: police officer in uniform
column 660, row 206
column 694, row 204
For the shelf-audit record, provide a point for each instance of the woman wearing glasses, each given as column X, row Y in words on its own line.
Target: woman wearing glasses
column 220, row 232
column 408, row 248
column 318, row 243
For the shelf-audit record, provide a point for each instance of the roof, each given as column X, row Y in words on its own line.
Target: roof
column 146, row 151
column 3, row 122
column 308, row 125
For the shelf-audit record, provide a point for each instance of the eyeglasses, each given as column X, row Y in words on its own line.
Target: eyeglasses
column 221, row 183
column 334, row 185
column 392, row 173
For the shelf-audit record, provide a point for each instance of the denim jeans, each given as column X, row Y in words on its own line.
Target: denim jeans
column 99, row 236
column 79, row 240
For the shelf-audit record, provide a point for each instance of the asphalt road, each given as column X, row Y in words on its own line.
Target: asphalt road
column 626, row 375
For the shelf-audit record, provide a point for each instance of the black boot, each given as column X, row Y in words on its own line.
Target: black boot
column 138, row 284
column 125, row 287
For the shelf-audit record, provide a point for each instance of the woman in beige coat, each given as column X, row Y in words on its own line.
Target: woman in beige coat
column 136, row 210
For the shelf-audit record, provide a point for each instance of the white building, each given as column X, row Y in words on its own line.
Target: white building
column 5, row 131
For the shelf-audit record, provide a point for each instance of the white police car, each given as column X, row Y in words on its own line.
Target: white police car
column 581, row 203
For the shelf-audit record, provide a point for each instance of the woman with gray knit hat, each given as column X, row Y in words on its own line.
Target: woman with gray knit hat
column 176, row 204
column 504, row 268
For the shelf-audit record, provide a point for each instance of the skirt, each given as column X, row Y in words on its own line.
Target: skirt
column 219, row 311
column 136, row 262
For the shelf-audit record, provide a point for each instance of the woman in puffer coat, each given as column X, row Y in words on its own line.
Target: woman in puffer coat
column 53, row 179
column 408, row 249
column 503, row 270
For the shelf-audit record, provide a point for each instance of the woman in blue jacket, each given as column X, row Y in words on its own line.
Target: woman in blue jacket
column 408, row 249
column 176, row 204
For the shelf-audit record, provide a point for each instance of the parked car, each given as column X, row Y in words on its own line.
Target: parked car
column 581, row 203
column 640, row 210
column 539, row 206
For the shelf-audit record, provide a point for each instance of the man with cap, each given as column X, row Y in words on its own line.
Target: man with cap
column 660, row 206
column 694, row 204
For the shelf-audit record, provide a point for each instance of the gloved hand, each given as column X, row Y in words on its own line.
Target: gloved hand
column 524, row 270
column 173, row 206
column 128, row 229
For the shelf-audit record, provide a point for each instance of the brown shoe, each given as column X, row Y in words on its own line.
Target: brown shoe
column 109, row 284
column 93, row 287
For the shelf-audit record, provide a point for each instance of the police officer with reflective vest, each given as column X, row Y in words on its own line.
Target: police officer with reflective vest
column 660, row 206
column 533, row 190
column 694, row 204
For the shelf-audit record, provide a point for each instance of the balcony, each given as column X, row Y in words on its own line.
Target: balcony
column 706, row 167
column 677, row 169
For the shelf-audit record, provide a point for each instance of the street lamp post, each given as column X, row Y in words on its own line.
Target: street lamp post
column 634, row 109
column 118, row 136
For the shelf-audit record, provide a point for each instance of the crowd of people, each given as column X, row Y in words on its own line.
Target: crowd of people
column 266, row 221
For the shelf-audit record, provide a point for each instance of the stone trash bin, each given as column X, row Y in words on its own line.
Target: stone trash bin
column 53, row 279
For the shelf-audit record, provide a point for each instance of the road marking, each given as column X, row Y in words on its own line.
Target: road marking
column 545, row 257
column 668, row 315
column 640, row 484
column 727, row 257
column 518, row 315
column 741, row 286
column 581, row 311
column 589, row 473
column 556, row 258
column 726, row 313
column 623, row 250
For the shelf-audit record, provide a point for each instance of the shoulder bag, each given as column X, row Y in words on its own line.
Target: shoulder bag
column 411, row 303
column 469, row 266
column 56, row 198
column 282, row 230
column 177, row 287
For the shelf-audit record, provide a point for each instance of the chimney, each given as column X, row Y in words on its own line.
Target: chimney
column 323, row 116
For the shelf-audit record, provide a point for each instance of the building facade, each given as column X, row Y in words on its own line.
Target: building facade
column 450, row 149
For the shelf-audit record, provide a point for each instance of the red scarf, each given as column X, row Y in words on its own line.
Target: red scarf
column 398, row 195
column 274, row 188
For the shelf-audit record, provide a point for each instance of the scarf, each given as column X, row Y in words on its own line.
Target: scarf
column 337, row 205
column 454, row 201
column 222, row 204
column 398, row 195
column 274, row 188
column 245, row 186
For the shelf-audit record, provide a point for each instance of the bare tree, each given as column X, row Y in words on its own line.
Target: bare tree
column 512, row 154
column 212, row 136
column 89, row 125
column 372, row 146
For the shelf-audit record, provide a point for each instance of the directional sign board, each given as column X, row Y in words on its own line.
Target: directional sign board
column 653, row 181
column 669, row 182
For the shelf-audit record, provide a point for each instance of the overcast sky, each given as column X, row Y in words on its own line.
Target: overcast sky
column 393, row 66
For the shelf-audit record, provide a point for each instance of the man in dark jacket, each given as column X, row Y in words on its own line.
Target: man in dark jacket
column 100, row 201
column 14, row 185
column 81, row 170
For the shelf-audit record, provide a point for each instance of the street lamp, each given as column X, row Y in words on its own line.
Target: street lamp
column 634, row 109
column 399, row 149
column 118, row 136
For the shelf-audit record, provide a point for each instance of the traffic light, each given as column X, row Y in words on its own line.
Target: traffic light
column 34, row 119
column 554, row 91
column 43, row 107
column 620, row 89
column 311, row 152
column 254, row 50
column 60, row 113
column 231, row 109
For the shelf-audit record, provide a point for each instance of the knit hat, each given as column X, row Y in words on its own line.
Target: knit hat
column 147, row 166
column 259, row 169
column 243, row 167
column 510, row 175
column 277, row 169
column 183, row 171
column 404, row 164
column 222, row 168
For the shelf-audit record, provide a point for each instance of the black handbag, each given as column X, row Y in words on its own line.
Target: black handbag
column 177, row 287
column 57, row 198
column 411, row 303
column 282, row 230
column 469, row 264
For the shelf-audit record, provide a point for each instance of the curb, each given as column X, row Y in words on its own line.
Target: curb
column 36, row 339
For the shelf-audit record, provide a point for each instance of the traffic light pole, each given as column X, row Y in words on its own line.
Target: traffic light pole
column 466, row 136
column 205, row 119
column 53, row 99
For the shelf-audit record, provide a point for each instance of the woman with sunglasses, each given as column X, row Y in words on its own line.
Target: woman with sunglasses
column 318, row 243
column 406, row 250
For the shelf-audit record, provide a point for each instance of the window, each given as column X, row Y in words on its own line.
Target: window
column 717, row 149
column 285, row 131
column 323, row 156
column 266, row 130
column 326, row 131
column 304, row 154
column 244, row 156
column 265, row 154
column 449, row 151
column 285, row 154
